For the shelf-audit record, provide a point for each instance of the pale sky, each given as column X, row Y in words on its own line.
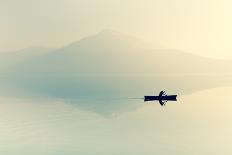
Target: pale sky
column 199, row 26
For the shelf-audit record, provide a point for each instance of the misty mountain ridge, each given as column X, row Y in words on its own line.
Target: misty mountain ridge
column 113, row 53
column 107, row 39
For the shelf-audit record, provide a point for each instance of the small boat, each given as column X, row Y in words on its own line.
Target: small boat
column 162, row 98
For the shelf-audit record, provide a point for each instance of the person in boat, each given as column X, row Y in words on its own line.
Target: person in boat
column 162, row 93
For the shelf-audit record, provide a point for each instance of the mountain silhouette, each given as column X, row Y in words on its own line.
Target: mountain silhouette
column 111, row 52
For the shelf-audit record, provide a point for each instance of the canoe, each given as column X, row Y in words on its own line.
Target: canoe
column 160, row 98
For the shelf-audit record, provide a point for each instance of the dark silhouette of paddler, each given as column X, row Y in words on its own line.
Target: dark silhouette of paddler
column 162, row 93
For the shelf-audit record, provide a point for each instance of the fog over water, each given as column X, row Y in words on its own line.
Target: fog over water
column 86, row 98
column 197, row 124
column 73, row 74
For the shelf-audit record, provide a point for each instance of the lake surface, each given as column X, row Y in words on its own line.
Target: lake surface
column 199, row 123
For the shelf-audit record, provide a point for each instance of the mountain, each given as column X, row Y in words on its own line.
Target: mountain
column 112, row 53
column 98, row 70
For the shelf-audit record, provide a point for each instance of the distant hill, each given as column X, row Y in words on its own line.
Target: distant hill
column 112, row 53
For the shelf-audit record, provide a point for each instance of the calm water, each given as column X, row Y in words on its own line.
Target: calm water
column 199, row 123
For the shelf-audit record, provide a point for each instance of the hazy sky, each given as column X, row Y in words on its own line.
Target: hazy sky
column 200, row 26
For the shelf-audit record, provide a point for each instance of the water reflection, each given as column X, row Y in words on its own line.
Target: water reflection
column 106, row 94
column 197, row 124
